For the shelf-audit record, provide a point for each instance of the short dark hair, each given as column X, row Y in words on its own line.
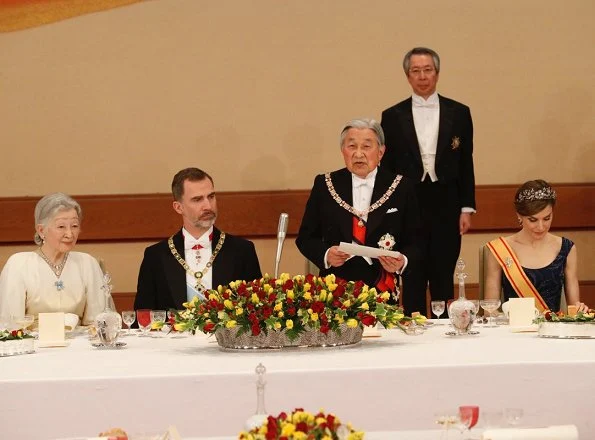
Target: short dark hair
column 191, row 174
column 421, row 51
column 533, row 197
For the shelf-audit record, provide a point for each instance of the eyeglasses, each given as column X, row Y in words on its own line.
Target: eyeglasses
column 426, row 71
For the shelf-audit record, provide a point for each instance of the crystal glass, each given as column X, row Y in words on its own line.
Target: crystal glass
column 462, row 311
column 157, row 321
column 513, row 416
column 108, row 323
column 490, row 306
column 128, row 316
column 24, row 321
column 438, row 308
column 143, row 317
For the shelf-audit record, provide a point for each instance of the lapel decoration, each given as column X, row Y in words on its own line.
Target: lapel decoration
column 456, row 142
column 386, row 242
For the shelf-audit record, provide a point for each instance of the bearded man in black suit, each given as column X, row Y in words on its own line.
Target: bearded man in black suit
column 429, row 138
column 196, row 258
column 361, row 204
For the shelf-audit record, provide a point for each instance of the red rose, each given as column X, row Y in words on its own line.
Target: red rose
column 318, row 307
column 208, row 328
column 291, row 311
column 267, row 312
column 288, row 285
column 272, row 297
column 330, row 420
column 301, row 426
column 226, row 295
column 255, row 329
column 339, row 291
column 283, row 416
column 368, row 320
column 324, row 328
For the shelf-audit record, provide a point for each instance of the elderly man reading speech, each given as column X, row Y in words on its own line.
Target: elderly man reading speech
column 361, row 204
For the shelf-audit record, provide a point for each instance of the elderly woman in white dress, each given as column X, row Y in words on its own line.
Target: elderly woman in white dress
column 54, row 278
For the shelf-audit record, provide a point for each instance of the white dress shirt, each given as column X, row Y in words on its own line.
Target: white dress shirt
column 426, row 118
column 197, row 266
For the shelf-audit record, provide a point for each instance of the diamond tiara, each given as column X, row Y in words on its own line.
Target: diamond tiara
column 529, row 195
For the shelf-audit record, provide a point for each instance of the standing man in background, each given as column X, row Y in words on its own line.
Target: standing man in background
column 429, row 138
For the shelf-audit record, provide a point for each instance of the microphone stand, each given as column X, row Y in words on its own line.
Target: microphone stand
column 281, row 232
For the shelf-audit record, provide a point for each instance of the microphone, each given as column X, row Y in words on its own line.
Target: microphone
column 281, row 232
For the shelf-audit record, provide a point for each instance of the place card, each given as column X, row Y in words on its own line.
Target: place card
column 51, row 330
column 521, row 311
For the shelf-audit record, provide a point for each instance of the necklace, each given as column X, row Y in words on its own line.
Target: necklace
column 360, row 214
column 200, row 288
column 56, row 268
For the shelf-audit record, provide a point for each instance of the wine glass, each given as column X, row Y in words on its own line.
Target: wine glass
column 468, row 416
column 24, row 321
column 143, row 317
column 513, row 416
column 490, row 306
column 128, row 316
column 157, row 320
column 438, row 308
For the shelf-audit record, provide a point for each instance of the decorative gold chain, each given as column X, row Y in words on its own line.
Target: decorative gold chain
column 377, row 204
column 56, row 268
column 198, row 275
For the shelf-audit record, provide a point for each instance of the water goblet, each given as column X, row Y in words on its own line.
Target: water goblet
column 438, row 309
column 513, row 416
column 490, row 306
column 128, row 317
column 157, row 321
column 24, row 321
column 143, row 316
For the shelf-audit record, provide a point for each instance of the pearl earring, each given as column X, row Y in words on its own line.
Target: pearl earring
column 520, row 221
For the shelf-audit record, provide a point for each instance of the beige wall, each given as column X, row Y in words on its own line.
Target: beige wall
column 256, row 92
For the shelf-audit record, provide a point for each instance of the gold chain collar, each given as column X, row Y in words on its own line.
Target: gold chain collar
column 360, row 214
column 198, row 275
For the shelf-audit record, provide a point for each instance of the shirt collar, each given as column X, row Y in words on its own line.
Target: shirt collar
column 431, row 102
column 204, row 239
column 357, row 181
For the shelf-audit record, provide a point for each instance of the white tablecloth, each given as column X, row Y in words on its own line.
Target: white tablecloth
column 395, row 382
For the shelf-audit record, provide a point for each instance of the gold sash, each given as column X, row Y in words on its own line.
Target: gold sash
column 515, row 273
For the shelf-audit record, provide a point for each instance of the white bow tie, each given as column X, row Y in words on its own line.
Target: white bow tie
column 358, row 182
column 424, row 104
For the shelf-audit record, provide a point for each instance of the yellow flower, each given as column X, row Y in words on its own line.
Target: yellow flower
column 289, row 323
column 385, row 296
column 280, row 314
column 254, row 298
column 322, row 295
column 181, row 326
column 277, row 325
column 228, row 304
column 363, row 296
column 320, row 421
column 271, row 290
column 339, row 319
column 364, row 306
column 347, row 303
column 239, row 311
column 359, row 435
column 263, row 429
column 308, row 296
column 314, row 316
column 289, row 294
column 232, row 284
column 307, row 287
column 287, row 430
column 213, row 296
column 352, row 323
column 299, row 435
column 330, row 279
column 230, row 324
column 332, row 287
column 278, row 306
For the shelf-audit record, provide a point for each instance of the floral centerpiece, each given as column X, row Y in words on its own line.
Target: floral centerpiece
column 549, row 316
column 14, row 342
column 291, row 307
column 302, row 425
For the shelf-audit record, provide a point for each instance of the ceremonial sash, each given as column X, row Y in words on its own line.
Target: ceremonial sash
column 514, row 272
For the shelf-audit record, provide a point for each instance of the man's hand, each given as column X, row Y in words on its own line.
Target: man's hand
column 335, row 257
column 392, row 264
column 464, row 222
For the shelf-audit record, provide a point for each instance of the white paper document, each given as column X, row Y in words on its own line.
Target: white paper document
column 366, row 251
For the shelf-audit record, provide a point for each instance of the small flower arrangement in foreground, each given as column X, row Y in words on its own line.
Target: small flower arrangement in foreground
column 293, row 305
column 549, row 316
column 14, row 335
column 302, row 425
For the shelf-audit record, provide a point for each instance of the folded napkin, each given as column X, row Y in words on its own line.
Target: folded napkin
column 560, row 432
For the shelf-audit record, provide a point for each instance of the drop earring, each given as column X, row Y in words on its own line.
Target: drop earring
column 520, row 221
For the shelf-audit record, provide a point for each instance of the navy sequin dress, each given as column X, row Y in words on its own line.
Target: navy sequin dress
column 548, row 280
